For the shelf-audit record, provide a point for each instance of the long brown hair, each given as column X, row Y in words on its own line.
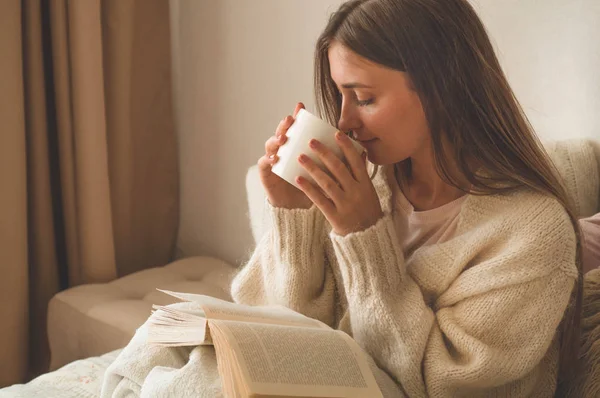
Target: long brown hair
column 445, row 50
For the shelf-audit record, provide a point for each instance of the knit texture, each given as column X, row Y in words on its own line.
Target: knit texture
column 587, row 382
column 146, row 370
column 475, row 316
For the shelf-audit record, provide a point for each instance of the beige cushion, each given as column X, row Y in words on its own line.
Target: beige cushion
column 577, row 164
column 90, row 320
column 256, row 196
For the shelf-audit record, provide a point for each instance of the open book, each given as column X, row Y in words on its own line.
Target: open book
column 268, row 351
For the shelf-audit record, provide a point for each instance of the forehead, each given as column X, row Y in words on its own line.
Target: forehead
column 346, row 66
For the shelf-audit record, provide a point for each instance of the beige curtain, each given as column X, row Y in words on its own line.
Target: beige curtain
column 88, row 164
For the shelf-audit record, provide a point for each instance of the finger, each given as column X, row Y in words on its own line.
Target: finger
column 329, row 186
column 354, row 159
column 299, row 106
column 316, row 196
column 280, row 127
column 335, row 165
column 284, row 126
column 265, row 163
column 272, row 145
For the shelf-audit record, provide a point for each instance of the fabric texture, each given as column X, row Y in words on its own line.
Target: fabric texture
column 422, row 228
column 79, row 379
column 144, row 370
column 89, row 320
column 88, row 159
column 475, row 316
column 590, row 228
column 578, row 163
column 587, row 381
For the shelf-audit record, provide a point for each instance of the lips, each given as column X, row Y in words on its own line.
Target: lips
column 365, row 141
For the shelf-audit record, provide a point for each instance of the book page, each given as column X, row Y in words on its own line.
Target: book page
column 215, row 308
column 184, row 325
column 293, row 361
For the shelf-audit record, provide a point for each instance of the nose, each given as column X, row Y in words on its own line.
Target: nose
column 348, row 118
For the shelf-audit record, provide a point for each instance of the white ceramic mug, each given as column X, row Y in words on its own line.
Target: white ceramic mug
column 306, row 127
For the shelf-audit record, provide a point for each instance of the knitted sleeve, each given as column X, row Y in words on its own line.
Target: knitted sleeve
column 289, row 266
column 489, row 331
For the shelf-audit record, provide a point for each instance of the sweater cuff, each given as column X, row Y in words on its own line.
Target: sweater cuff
column 297, row 233
column 371, row 261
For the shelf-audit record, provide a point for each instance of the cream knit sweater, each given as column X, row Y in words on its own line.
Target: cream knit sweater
column 476, row 316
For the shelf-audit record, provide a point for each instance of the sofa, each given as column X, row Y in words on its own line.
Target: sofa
column 91, row 320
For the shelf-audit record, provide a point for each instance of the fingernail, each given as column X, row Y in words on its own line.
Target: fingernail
column 303, row 158
column 272, row 157
column 281, row 138
column 313, row 143
column 339, row 136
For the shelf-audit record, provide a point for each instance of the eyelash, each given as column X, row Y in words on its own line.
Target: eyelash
column 359, row 103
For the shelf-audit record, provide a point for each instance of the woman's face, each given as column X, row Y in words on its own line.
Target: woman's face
column 379, row 106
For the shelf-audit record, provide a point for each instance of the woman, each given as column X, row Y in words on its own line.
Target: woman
column 456, row 267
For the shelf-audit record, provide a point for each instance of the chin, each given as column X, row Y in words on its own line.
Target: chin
column 372, row 159
column 379, row 160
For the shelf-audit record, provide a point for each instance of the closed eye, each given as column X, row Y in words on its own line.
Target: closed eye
column 365, row 102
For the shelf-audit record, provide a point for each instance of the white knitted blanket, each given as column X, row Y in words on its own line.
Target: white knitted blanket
column 145, row 370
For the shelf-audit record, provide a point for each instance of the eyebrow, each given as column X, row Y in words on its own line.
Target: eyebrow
column 355, row 85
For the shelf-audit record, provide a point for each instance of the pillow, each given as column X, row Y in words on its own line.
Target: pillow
column 255, row 193
column 576, row 162
column 590, row 228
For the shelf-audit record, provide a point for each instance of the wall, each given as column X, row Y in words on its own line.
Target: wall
column 550, row 51
column 240, row 66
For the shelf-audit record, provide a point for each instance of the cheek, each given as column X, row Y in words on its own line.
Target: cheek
column 403, row 129
column 411, row 120
column 393, row 122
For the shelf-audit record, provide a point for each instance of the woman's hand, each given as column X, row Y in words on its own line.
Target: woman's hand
column 279, row 192
column 348, row 199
